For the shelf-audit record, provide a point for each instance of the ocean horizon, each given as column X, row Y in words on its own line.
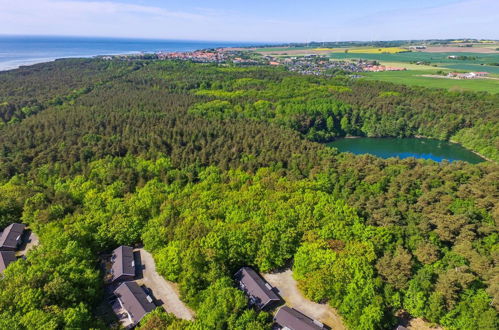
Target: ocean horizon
column 16, row 51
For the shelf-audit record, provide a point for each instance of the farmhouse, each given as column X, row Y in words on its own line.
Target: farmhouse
column 134, row 302
column 11, row 237
column 260, row 293
column 123, row 268
column 469, row 75
column 6, row 258
column 290, row 318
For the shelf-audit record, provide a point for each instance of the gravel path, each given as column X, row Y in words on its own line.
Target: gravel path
column 420, row 324
column 163, row 290
column 288, row 289
column 30, row 241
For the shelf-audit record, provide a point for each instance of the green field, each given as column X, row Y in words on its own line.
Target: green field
column 423, row 57
column 474, row 67
column 414, row 78
column 282, row 49
column 439, row 59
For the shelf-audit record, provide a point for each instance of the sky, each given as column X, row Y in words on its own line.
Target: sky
column 254, row 20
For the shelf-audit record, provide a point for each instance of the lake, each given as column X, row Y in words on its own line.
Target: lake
column 409, row 147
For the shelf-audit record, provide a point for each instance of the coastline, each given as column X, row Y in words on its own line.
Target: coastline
column 17, row 51
column 4, row 66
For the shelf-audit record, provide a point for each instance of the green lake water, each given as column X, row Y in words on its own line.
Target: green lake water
column 408, row 147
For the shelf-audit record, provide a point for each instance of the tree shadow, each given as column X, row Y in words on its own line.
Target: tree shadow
column 139, row 267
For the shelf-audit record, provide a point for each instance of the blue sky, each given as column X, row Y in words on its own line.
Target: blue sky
column 254, row 20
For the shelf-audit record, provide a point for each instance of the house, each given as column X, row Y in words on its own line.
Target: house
column 291, row 319
column 6, row 258
column 260, row 293
column 134, row 302
column 123, row 268
column 11, row 237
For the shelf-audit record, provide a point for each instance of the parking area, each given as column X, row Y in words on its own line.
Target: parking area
column 289, row 291
column 29, row 241
column 165, row 292
column 420, row 324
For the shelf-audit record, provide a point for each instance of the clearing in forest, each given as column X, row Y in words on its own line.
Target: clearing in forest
column 288, row 290
column 162, row 290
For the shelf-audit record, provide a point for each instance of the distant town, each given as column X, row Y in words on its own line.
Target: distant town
column 309, row 64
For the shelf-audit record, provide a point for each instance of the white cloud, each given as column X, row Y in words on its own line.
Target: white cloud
column 102, row 18
column 464, row 18
column 59, row 7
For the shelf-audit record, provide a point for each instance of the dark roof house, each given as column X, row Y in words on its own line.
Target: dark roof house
column 290, row 318
column 260, row 293
column 123, row 264
column 134, row 301
column 6, row 257
column 11, row 237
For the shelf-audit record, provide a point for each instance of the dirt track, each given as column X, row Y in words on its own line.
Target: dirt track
column 288, row 289
column 162, row 289
column 420, row 324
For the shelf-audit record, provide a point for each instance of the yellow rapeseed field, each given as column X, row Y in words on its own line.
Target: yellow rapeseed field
column 389, row 50
column 370, row 50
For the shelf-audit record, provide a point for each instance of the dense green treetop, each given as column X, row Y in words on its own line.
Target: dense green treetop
column 214, row 168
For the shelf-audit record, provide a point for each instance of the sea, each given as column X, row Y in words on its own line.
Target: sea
column 16, row 51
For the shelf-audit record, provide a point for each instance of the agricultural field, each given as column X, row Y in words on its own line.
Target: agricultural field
column 474, row 67
column 417, row 78
column 386, row 50
column 282, row 49
column 410, row 66
column 434, row 58
column 364, row 50
column 324, row 51
column 476, row 62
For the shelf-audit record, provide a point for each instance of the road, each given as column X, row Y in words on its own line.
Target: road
column 30, row 241
column 163, row 290
column 288, row 289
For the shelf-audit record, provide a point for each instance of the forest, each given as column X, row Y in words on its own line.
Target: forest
column 212, row 168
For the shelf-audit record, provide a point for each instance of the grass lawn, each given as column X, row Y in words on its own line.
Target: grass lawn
column 414, row 78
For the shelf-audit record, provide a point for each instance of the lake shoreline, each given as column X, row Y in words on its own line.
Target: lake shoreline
column 415, row 137
column 473, row 151
column 416, row 147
